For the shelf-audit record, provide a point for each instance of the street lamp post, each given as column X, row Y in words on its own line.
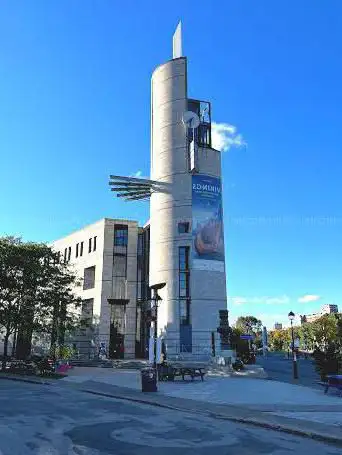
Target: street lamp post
column 294, row 356
column 155, row 302
column 248, row 327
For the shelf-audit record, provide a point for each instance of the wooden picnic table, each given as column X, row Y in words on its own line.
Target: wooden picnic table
column 182, row 369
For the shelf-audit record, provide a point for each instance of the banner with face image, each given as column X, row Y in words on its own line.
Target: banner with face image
column 207, row 224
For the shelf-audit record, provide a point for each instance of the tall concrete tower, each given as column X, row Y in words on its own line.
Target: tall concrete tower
column 187, row 244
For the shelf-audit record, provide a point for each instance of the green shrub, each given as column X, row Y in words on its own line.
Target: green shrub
column 328, row 361
column 62, row 352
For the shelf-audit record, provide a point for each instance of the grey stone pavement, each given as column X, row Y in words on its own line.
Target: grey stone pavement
column 61, row 420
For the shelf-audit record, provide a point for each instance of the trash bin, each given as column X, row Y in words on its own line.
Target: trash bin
column 148, row 380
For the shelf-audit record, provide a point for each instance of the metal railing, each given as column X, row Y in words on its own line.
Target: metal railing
column 201, row 352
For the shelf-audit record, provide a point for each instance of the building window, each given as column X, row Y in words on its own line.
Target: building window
column 89, row 245
column 184, row 285
column 94, row 244
column 89, row 278
column 87, row 310
column 140, row 244
column 184, row 258
column 203, row 132
column 121, row 235
column 120, row 265
column 77, row 248
column 184, row 288
column 184, row 311
column 81, row 249
column 183, row 228
column 69, row 253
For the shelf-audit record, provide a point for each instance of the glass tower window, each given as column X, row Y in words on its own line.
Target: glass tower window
column 121, row 235
column 184, row 285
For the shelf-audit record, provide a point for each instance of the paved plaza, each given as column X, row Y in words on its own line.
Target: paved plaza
column 253, row 393
column 52, row 420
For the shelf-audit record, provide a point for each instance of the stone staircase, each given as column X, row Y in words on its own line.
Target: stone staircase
column 132, row 364
column 91, row 363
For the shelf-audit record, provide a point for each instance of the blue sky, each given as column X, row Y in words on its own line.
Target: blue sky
column 74, row 107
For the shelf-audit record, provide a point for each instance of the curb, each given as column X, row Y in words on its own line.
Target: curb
column 249, row 421
column 22, row 379
column 142, row 401
column 283, row 428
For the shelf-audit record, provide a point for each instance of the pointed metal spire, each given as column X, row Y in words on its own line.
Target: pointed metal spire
column 177, row 42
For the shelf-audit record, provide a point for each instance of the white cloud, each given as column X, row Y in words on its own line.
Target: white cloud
column 309, row 298
column 224, row 137
column 238, row 300
column 277, row 300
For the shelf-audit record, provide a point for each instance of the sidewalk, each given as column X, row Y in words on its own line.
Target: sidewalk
column 253, row 393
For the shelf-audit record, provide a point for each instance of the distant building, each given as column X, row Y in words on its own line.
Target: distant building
column 326, row 309
column 310, row 317
column 329, row 308
column 278, row 326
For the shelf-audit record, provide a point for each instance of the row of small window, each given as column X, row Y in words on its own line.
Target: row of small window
column 91, row 246
column 80, row 248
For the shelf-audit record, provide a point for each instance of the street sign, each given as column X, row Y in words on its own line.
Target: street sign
column 296, row 343
column 246, row 337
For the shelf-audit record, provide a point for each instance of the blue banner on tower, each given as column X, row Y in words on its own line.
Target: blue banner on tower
column 207, row 224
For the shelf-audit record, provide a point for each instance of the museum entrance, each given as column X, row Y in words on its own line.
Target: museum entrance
column 117, row 328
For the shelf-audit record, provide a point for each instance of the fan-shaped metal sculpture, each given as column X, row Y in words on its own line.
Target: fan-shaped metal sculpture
column 133, row 188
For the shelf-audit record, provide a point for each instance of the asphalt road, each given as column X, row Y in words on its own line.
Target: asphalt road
column 280, row 368
column 51, row 420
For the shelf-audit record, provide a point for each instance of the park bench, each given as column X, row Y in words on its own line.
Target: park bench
column 334, row 380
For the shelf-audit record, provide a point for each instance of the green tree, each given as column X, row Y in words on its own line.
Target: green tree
column 325, row 330
column 307, row 336
column 339, row 330
column 58, row 312
column 328, row 361
column 11, row 253
column 240, row 346
column 249, row 324
column 36, row 294
column 279, row 340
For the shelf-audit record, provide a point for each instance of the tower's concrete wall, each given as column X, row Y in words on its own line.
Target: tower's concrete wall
column 169, row 163
column 169, row 100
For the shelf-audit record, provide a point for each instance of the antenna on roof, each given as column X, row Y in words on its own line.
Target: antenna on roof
column 177, row 42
